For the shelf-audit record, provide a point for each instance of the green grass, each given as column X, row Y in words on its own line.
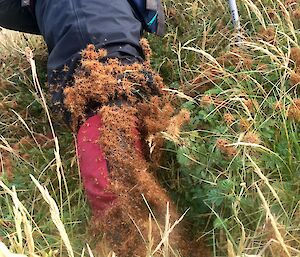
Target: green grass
column 30, row 153
column 236, row 164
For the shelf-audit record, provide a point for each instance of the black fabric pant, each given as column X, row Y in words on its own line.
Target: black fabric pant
column 68, row 26
column 13, row 16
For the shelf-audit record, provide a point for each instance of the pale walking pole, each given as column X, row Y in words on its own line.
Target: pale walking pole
column 235, row 18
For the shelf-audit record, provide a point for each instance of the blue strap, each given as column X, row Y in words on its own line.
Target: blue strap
column 152, row 20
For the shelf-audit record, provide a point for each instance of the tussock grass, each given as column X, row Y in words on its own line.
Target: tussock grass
column 236, row 166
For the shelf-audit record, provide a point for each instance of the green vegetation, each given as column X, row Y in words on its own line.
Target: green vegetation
column 236, row 165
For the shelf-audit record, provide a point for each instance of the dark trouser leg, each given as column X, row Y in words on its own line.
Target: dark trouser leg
column 15, row 17
column 68, row 26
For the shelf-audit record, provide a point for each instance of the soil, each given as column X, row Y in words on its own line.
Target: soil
column 134, row 110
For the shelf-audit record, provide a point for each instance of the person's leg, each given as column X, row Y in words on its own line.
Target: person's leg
column 68, row 26
column 119, row 90
column 14, row 16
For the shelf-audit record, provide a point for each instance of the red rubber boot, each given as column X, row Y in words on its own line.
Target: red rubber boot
column 93, row 166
